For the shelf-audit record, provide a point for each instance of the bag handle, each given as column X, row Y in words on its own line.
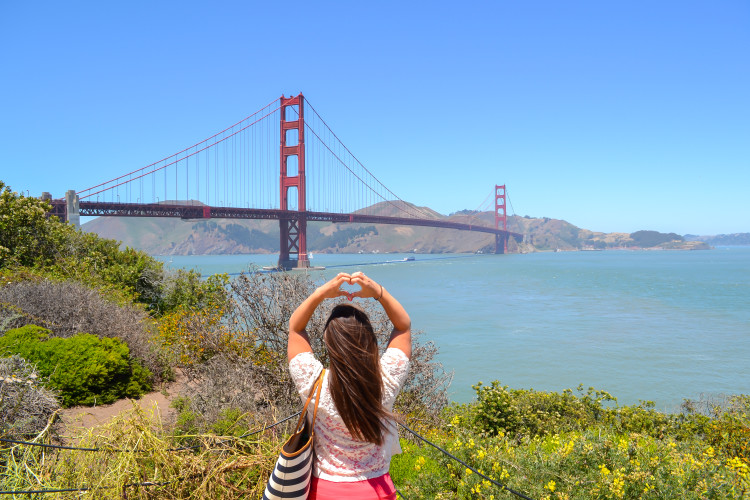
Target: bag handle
column 317, row 385
column 317, row 399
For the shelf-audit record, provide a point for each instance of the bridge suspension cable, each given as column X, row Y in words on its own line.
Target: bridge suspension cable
column 376, row 190
column 232, row 152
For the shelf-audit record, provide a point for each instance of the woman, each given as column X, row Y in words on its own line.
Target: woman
column 355, row 435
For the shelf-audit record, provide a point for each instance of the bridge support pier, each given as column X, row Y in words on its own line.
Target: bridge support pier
column 72, row 208
column 293, row 231
column 501, row 243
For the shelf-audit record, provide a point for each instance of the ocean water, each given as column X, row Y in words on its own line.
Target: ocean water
column 644, row 325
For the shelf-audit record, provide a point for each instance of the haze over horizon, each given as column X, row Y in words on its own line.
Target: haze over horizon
column 616, row 117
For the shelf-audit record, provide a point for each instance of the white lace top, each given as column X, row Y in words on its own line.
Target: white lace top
column 338, row 457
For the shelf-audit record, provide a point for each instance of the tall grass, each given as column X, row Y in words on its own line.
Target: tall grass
column 135, row 449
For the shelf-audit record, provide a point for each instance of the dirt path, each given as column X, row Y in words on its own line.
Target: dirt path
column 86, row 417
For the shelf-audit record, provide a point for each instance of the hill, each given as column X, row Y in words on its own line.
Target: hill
column 722, row 239
column 170, row 236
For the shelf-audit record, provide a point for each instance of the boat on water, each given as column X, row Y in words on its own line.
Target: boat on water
column 405, row 259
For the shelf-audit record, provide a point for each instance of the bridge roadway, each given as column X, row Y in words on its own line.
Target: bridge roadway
column 184, row 211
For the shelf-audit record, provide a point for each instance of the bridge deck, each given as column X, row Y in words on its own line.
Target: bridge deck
column 184, row 211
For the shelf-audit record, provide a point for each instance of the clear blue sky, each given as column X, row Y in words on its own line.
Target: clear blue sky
column 612, row 115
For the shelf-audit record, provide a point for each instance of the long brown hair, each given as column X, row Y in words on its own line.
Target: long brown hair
column 355, row 381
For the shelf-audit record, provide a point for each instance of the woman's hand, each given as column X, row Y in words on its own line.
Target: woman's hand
column 369, row 288
column 332, row 288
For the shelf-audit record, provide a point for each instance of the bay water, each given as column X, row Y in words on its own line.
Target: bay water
column 644, row 325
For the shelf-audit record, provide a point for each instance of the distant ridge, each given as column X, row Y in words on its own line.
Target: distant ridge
column 172, row 236
column 722, row 239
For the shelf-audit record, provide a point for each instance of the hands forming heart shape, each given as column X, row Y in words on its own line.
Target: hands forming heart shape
column 351, row 286
column 350, row 289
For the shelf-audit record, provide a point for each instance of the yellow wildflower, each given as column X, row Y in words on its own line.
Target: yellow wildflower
column 622, row 444
column 739, row 466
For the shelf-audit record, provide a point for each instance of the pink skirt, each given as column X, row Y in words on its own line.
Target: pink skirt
column 375, row 488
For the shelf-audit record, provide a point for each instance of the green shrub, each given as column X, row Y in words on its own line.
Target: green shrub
column 643, row 419
column 34, row 246
column 85, row 369
column 729, row 432
column 27, row 236
column 521, row 412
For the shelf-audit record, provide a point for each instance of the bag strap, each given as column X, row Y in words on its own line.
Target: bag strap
column 317, row 385
column 317, row 398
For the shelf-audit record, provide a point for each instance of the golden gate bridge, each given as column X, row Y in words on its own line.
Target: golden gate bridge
column 283, row 162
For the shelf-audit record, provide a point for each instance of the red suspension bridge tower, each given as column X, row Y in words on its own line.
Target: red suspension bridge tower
column 501, row 220
column 293, row 230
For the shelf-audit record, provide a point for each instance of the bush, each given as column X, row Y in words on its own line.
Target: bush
column 67, row 308
column 528, row 413
column 35, row 245
column 26, row 406
column 11, row 316
column 27, row 236
column 585, row 450
column 85, row 369
column 643, row 419
column 729, row 430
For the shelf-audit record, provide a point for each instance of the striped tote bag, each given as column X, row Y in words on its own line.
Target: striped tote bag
column 290, row 479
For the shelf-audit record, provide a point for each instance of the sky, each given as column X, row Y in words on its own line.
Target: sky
column 616, row 116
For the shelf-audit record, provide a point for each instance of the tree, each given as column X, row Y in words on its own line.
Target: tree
column 27, row 236
column 648, row 239
column 34, row 243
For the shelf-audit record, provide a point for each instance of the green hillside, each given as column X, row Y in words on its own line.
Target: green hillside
column 171, row 236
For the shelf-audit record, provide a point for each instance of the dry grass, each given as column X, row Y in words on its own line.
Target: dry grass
column 135, row 449
column 25, row 405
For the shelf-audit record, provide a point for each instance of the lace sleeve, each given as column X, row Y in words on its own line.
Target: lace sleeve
column 304, row 369
column 395, row 367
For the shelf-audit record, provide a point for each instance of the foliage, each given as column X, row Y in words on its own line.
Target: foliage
column 252, row 239
column 216, row 468
column 595, row 460
column 67, row 308
column 85, row 369
column 647, row 239
column 25, row 404
column 27, row 236
column 187, row 289
column 11, row 316
column 36, row 246
column 194, row 336
column 527, row 413
column 729, row 430
column 339, row 239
